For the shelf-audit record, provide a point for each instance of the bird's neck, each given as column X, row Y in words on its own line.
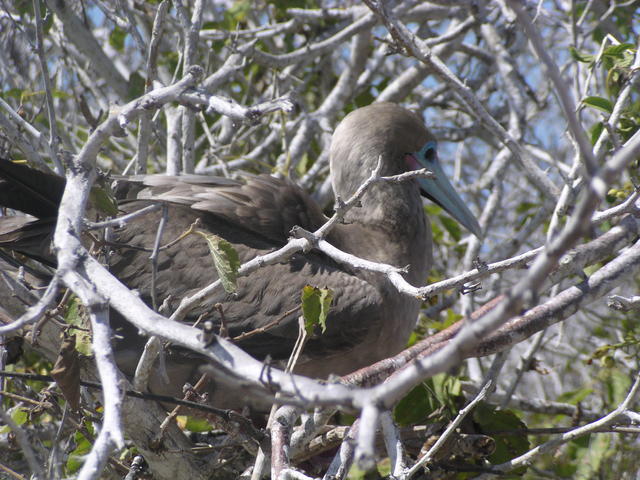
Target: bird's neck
column 398, row 236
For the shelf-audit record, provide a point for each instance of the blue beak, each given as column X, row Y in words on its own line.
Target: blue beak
column 439, row 190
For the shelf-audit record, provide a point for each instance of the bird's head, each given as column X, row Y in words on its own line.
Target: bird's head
column 398, row 137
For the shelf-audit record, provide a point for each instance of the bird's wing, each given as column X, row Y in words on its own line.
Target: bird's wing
column 264, row 204
column 261, row 299
column 255, row 215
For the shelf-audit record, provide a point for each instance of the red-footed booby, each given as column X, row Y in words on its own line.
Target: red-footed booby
column 369, row 319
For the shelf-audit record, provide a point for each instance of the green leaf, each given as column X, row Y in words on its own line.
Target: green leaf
column 527, row 206
column 102, row 200
column 618, row 50
column 316, row 303
column 415, row 406
column 135, row 85
column 194, row 424
column 225, row 259
column 617, row 384
column 303, row 165
column 355, row 473
column 451, row 226
column 23, row 7
column 429, row 398
column 450, row 318
column 596, row 131
column 509, row 446
column 599, row 103
column 564, row 470
column 48, row 18
column 73, row 316
column 445, row 387
column 61, row 94
column 77, row 456
column 237, row 13
column 12, row 93
column 437, row 233
column 580, row 57
column 364, row 98
column 590, row 459
column 117, row 37
column 20, row 415
column 574, row 397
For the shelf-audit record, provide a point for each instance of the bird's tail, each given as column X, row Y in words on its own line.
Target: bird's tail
column 37, row 194
column 30, row 191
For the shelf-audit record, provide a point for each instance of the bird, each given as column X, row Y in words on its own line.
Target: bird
column 368, row 319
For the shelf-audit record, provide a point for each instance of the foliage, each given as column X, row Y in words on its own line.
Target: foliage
column 316, row 303
column 588, row 361
column 225, row 259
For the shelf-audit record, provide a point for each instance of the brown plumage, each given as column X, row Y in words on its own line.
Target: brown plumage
column 369, row 319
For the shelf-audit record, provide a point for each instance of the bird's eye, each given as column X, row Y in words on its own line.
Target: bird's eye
column 430, row 151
